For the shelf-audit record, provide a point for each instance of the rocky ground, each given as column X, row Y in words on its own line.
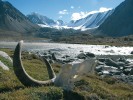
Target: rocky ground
column 116, row 66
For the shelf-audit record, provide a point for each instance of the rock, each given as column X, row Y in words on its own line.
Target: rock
column 51, row 61
column 127, row 71
column 110, row 62
column 44, row 53
column 45, row 56
column 65, row 56
column 115, row 72
column 88, row 54
column 102, row 59
column 100, row 63
column 122, row 59
column 106, row 73
column 81, row 56
column 131, row 72
column 121, row 64
column 53, row 57
column 131, row 52
column 99, row 68
column 106, row 46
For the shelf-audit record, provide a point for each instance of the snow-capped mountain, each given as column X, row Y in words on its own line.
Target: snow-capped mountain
column 43, row 20
column 91, row 20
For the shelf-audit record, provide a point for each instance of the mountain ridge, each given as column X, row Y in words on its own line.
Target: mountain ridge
column 120, row 23
column 11, row 19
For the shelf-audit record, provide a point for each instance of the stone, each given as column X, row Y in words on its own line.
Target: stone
column 110, row 62
column 102, row 59
column 115, row 72
column 51, row 61
column 127, row 71
column 131, row 52
column 53, row 57
column 81, row 56
column 99, row 68
column 88, row 54
column 131, row 72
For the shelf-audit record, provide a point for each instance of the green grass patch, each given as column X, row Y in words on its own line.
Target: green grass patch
column 6, row 62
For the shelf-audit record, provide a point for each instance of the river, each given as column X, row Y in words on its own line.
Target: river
column 70, row 49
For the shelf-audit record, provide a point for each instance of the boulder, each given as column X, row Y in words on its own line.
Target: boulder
column 99, row 68
column 89, row 54
column 102, row 59
column 53, row 57
column 115, row 72
column 127, row 71
column 110, row 62
column 131, row 71
column 81, row 56
column 131, row 52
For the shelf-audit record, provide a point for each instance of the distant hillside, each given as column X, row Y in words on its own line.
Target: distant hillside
column 12, row 19
column 120, row 23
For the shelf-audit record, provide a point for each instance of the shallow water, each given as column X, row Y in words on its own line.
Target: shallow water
column 70, row 49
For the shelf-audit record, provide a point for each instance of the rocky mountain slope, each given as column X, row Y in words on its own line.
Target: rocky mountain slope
column 12, row 19
column 120, row 23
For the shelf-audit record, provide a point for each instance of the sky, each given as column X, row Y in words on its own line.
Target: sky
column 65, row 10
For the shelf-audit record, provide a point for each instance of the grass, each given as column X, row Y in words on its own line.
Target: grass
column 90, row 87
column 6, row 62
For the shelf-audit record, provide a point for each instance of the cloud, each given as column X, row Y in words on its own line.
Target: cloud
column 77, row 16
column 63, row 12
column 72, row 7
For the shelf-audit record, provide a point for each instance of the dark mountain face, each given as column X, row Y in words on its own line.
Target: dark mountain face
column 12, row 19
column 120, row 23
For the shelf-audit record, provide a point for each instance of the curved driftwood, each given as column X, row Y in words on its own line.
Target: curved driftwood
column 23, row 75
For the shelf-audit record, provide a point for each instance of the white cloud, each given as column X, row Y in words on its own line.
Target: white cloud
column 77, row 16
column 72, row 7
column 63, row 12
